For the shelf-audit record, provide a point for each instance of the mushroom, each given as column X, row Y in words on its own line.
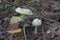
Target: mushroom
column 15, row 19
column 36, row 22
column 23, row 11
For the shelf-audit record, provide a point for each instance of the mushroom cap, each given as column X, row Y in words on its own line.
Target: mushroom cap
column 36, row 22
column 23, row 11
column 15, row 19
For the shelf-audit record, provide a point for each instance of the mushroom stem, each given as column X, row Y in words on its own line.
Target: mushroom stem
column 36, row 30
column 24, row 32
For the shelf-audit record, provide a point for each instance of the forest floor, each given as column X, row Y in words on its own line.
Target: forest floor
column 48, row 11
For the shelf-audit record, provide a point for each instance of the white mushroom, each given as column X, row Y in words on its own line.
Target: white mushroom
column 23, row 11
column 15, row 19
column 36, row 22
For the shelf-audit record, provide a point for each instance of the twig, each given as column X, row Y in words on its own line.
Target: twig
column 43, row 33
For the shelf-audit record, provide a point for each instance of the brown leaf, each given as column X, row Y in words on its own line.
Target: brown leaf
column 14, row 31
column 16, row 1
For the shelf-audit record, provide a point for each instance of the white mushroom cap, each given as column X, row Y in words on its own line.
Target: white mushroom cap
column 18, row 9
column 23, row 11
column 15, row 19
column 36, row 22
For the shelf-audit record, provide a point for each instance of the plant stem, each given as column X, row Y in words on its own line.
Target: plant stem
column 24, row 32
column 36, row 30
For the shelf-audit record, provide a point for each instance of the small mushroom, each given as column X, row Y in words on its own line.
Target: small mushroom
column 15, row 19
column 36, row 22
column 23, row 11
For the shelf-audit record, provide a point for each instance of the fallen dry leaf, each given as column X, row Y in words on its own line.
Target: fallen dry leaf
column 14, row 31
column 16, row 1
